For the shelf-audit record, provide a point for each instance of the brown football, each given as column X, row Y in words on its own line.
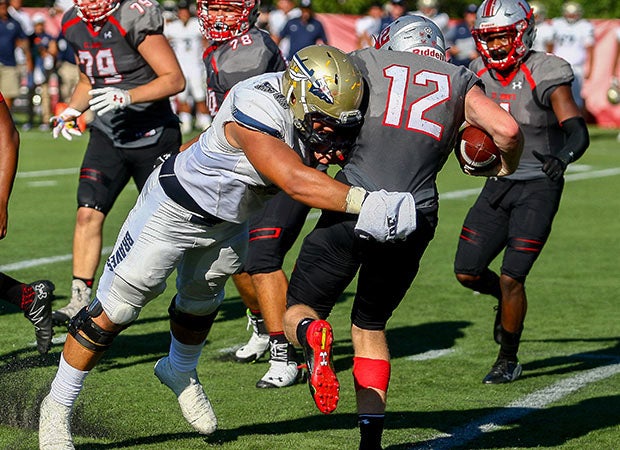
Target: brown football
column 476, row 151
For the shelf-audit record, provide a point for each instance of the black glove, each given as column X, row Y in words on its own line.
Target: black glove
column 553, row 166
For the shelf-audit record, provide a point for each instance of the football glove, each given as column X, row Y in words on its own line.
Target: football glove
column 65, row 124
column 386, row 216
column 553, row 166
column 108, row 99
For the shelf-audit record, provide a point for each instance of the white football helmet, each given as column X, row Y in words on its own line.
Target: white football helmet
column 321, row 84
column 572, row 11
column 95, row 10
column 414, row 34
column 497, row 16
column 539, row 11
column 222, row 20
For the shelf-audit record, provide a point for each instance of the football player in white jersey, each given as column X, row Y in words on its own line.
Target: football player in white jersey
column 543, row 42
column 188, row 44
column 573, row 40
column 192, row 217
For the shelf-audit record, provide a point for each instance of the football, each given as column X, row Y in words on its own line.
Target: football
column 476, row 151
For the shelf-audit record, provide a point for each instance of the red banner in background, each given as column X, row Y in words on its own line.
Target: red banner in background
column 340, row 31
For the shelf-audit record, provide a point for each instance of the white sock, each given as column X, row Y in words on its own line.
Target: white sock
column 68, row 383
column 203, row 121
column 184, row 357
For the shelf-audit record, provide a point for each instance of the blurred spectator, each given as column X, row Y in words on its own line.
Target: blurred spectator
column 188, row 44
column 395, row 9
column 263, row 17
column 286, row 10
column 67, row 70
column 461, row 44
column 12, row 36
column 44, row 51
column 368, row 26
column 304, row 30
column 17, row 12
column 544, row 31
column 573, row 40
column 430, row 10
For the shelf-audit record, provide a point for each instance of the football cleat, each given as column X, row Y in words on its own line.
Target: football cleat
column 80, row 297
column 503, row 371
column 55, row 426
column 40, row 313
column 258, row 343
column 195, row 405
column 283, row 370
column 322, row 379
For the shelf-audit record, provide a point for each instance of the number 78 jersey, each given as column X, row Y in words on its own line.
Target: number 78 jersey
column 416, row 105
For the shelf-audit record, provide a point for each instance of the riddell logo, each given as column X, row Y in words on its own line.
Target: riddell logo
column 433, row 53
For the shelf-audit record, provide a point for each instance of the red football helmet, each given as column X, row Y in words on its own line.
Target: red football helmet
column 221, row 20
column 95, row 10
column 514, row 17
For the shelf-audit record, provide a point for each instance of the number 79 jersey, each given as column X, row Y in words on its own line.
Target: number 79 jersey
column 109, row 57
column 416, row 105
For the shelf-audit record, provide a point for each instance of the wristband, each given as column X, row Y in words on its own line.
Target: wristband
column 355, row 198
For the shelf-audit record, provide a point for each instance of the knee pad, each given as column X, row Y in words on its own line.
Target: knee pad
column 87, row 333
column 371, row 373
column 190, row 321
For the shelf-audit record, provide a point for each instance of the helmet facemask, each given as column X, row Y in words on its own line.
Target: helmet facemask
column 324, row 90
column 93, row 11
column 512, row 18
column 222, row 20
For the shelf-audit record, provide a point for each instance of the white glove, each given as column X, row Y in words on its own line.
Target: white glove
column 64, row 124
column 386, row 216
column 108, row 99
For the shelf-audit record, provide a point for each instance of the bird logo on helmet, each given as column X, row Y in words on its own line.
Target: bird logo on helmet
column 222, row 20
column 414, row 34
column 93, row 11
column 321, row 84
column 514, row 17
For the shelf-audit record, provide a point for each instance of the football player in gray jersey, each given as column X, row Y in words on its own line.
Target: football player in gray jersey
column 515, row 213
column 128, row 71
column 241, row 50
column 192, row 217
column 415, row 105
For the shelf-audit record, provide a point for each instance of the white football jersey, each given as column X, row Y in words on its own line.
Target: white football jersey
column 218, row 176
column 186, row 41
column 570, row 40
column 544, row 35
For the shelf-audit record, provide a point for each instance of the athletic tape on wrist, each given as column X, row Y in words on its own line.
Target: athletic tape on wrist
column 355, row 198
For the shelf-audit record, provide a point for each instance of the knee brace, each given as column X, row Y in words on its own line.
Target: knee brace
column 191, row 321
column 87, row 333
column 371, row 373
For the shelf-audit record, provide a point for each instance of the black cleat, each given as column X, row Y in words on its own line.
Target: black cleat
column 503, row 371
column 40, row 313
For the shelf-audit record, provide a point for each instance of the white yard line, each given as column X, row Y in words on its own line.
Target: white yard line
column 518, row 409
column 581, row 175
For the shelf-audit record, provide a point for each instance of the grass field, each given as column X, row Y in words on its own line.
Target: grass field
column 440, row 337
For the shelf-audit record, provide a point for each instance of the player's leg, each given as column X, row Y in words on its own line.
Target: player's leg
column 386, row 273
column 202, row 274
column 482, row 238
column 327, row 263
column 35, row 300
column 530, row 226
column 103, row 176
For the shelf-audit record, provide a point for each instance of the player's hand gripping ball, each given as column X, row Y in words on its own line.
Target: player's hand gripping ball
column 477, row 153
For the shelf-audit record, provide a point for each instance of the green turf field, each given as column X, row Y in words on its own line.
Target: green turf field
column 440, row 337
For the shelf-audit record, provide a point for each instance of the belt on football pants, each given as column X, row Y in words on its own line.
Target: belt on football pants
column 178, row 194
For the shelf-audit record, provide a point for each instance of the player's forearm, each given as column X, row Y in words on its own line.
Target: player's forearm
column 162, row 87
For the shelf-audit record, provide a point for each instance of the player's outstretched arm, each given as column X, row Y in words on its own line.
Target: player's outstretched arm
column 484, row 113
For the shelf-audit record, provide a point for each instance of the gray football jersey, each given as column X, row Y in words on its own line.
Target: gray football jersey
column 227, row 63
column 415, row 108
column 109, row 57
column 526, row 94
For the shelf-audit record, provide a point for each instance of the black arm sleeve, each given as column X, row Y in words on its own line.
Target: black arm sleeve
column 577, row 140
